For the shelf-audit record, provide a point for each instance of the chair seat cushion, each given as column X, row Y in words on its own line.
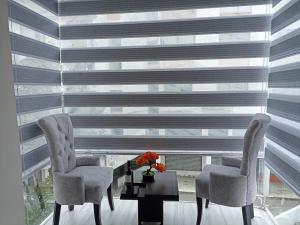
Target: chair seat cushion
column 96, row 181
column 202, row 181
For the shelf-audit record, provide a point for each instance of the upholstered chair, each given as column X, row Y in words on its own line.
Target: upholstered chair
column 233, row 184
column 77, row 180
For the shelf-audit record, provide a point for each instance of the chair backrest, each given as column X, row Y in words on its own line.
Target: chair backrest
column 58, row 131
column 253, row 141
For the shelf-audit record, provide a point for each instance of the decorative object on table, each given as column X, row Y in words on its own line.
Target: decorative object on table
column 149, row 159
column 129, row 178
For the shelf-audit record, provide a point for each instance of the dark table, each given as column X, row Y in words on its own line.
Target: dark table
column 150, row 196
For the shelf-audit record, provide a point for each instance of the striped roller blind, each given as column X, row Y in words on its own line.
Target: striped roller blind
column 174, row 76
column 283, row 146
column 36, row 58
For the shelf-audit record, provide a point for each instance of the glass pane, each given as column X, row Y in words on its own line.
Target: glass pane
column 283, row 203
column 38, row 196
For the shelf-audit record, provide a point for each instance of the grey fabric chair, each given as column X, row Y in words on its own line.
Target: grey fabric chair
column 233, row 184
column 76, row 180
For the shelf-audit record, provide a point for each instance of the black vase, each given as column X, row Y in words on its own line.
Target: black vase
column 148, row 178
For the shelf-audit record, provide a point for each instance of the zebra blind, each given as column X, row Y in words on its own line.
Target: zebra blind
column 174, row 76
column 283, row 147
column 36, row 58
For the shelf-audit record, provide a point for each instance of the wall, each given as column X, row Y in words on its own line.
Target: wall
column 11, row 200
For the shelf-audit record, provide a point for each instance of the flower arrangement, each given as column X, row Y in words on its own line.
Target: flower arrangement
column 149, row 158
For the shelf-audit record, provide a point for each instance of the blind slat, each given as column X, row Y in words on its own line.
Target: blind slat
column 51, row 5
column 34, row 157
column 166, row 28
column 29, row 131
column 285, row 79
column 285, row 16
column 162, row 121
column 286, row 46
column 171, row 76
column 33, row 20
column 284, row 106
column 34, row 103
column 120, row 6
column 231, row 144
column 179, row 52
column 275, row 2
column 29, row 47
column 286, row 136
column 166, row 99
column 36, row 76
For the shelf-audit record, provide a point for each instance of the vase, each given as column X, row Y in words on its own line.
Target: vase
column 148, row 177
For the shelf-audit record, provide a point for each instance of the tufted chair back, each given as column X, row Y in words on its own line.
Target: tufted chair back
column 253, row 140
column 58, row 131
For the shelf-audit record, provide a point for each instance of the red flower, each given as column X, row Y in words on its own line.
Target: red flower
column 159, row 167
column 151, row 156
column 142, row 161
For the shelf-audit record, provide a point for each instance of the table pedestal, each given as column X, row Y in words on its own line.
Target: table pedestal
column 150, row 210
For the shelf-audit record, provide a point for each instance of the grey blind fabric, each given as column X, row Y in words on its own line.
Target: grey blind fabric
column 167, row 99
column 184, row 52
column 161, row 121
column 283, row 146
column 36, row 76
column 275, row 2
column 286, row 15
column 29, row 47
column 69, row 8
column 165, row 144
column 32, row 19
column 285, row 76
column 167, row 28
column 147, row 77
column 164, row 76
column 33, row 103
column 50, row 5
column 36, row 58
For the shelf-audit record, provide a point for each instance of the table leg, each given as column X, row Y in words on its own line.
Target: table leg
column 150, row 210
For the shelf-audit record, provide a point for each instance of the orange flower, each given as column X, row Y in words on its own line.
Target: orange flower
column 141, row 161
column 159, row 167
column 151, row 156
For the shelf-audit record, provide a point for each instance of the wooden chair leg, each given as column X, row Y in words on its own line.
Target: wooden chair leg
column 246, row 214
column 252, row 211
column 97, row 214
column 110, row 198
column 56, row 214
column 206, row 203
column 71, row 207
column 199, row 209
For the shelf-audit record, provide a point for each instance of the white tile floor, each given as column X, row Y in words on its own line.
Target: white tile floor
column 175, row 213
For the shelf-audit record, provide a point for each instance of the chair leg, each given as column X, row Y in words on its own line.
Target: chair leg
column 206, row 203
column 110, row 198
column 56, row 213
column 252, row 211
column 199, row 209
column 71, row 207
column 97, row 214
column 247, row 214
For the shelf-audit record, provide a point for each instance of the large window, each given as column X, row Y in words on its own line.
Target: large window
column 183, row 80
column 150, row 85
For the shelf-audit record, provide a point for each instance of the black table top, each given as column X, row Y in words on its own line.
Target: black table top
column 165, row 187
